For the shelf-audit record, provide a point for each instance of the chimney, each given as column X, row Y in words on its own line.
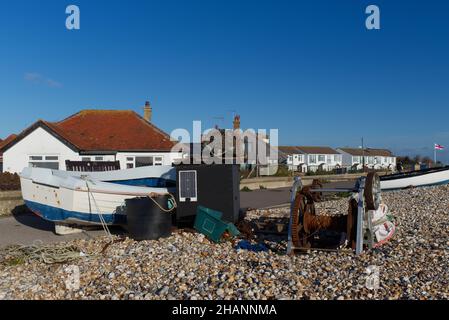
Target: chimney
column 147, row 111
column 236, row 122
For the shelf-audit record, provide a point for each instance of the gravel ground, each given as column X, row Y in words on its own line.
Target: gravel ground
column 413, row 265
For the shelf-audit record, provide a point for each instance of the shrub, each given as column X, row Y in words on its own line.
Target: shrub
column 9, row 181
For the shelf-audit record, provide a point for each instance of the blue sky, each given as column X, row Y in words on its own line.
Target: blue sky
column 309, row 68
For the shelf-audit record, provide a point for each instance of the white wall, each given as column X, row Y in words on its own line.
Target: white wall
column 38, row 142
column 346, row 158
column 327, row 165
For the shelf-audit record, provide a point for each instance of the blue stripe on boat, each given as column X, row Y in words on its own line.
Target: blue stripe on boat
column 146, row 182
column 58, row 214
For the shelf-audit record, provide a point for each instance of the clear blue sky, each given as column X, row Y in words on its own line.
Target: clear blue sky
column 309, row 68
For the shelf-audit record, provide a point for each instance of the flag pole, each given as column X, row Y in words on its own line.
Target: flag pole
column 434, row 154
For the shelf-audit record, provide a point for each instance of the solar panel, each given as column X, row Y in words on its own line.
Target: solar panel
column 187, row 185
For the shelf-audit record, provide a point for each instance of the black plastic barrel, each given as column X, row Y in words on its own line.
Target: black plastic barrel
column 146, row 221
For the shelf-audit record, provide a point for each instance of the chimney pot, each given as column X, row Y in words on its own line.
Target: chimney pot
column 236, row 122
column 147, row 111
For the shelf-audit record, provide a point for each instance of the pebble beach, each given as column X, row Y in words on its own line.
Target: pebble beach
column 414, row 264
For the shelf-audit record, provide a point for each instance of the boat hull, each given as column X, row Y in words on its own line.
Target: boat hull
column 72, row 200
column 421, row 178
column 74, row 217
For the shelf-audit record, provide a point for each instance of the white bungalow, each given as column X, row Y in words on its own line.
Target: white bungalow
column 305, row 158
column 90, row 135
column 354, row 158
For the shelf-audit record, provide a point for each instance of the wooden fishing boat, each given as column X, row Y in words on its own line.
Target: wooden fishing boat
column 419, row 178
column 74, row 198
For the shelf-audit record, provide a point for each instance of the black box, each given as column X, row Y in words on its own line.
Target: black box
column 214, row 186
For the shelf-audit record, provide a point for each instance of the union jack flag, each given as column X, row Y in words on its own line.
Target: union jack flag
column 438, row 146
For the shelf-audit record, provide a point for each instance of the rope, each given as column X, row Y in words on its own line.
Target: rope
column 49, row 254
column 100, row 215
column 175, row 205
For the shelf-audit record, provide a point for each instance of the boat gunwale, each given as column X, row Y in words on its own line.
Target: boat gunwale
column 412, row 174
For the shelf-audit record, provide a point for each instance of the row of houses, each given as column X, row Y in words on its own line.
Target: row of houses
column 132, row 140
column 306, row 158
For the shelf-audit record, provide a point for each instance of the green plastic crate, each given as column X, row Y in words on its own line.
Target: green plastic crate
column 209, row 223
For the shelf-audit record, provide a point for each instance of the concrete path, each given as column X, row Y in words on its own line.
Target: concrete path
column 26, row 228
column 258, row 199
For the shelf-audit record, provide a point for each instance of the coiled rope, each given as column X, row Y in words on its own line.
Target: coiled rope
column 49, row 254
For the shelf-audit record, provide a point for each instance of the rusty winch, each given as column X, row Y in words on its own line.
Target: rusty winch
column 356, row 225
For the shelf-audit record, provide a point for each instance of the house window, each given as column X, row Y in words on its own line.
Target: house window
column 329, row 159
column 312, row 158
column 99, row 158
column 129, row 162
column 321, row 158
column 158, row 161
column 86, row 159
column 48, row 162
column 356, row 159
column 144, row 161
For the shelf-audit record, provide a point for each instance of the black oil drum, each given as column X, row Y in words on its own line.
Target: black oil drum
column 146, row 220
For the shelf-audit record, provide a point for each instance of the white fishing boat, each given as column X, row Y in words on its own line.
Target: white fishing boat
column 420, row 178
column 76, row 198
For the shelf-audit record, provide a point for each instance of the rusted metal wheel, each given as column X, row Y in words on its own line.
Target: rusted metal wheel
column 303, row 205
column 372, row 191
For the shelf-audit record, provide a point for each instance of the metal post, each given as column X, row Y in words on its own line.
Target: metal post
column 434, row 155
column 360, row 216
column 296, row 185
column 363, row 156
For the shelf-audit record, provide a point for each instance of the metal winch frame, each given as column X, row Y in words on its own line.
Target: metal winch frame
column 368, row 196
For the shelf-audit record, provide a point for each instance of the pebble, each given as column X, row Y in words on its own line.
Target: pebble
column 412, row 265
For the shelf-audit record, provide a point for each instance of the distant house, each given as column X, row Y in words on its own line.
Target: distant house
column 2, row 144
column 91, row 135
column 354, row 158
column 247, row 154
column 309, row 158
column 293, row 158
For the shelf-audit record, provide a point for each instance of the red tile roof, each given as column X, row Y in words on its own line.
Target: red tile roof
column 317, row 150
column 107, row 130
column 7, row 140
column 3, row 143
column 367, row 152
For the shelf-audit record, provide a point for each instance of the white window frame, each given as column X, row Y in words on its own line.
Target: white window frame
column 43, row 159
column 130, row 162
column 158, row 160
column 312, row 158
